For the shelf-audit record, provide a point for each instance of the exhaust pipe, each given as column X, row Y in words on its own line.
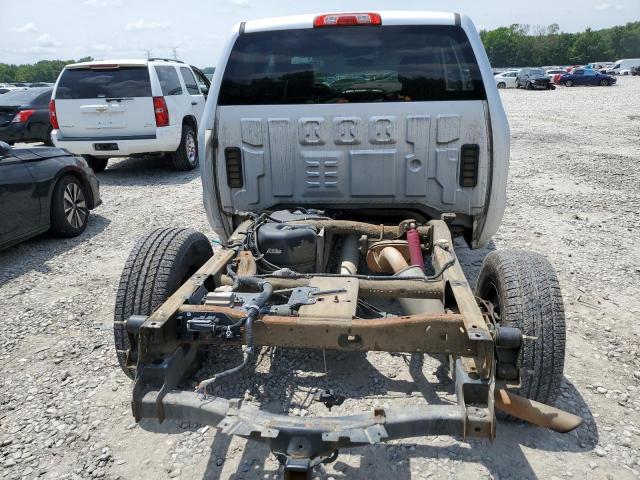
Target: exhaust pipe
column 390, row 259
column 536, row 413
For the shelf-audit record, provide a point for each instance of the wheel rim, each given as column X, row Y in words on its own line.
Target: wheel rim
column 603, row 83
column 75, row 206
column 192, row 149
column 501, row 85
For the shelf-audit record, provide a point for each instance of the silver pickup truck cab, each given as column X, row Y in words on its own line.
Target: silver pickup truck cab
column 387, row 112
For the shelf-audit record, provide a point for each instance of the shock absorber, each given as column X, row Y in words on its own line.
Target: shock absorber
column 415, row 252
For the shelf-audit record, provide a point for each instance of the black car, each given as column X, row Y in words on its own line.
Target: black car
column 534, row 79
column 44, row 189
column 24, row 116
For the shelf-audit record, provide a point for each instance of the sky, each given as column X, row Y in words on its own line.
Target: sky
column 32, row 30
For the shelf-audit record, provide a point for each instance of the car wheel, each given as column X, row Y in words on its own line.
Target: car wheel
column 525, row 293
column 604, row 83
column 69, row 208
column 48, row 140
column 157, row 266
column 97, row 164
column 186, row 156
column 568, row 83
column 502, row 85
column 552, row 87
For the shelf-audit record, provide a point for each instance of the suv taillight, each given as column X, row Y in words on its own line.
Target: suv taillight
column 52, row 115
column 161, row 111
column 345, row 19
column 22, row 116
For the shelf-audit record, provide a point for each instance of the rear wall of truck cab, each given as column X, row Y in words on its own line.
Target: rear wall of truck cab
column 357, row 117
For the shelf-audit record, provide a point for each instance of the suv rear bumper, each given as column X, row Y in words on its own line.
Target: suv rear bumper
column 166, row 139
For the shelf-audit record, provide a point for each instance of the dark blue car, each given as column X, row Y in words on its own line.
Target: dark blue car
column 586, row 76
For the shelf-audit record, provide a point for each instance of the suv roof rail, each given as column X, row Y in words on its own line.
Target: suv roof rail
column 159, row 59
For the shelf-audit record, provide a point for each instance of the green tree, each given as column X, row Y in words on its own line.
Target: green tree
column 42, row 71
column 524, row 45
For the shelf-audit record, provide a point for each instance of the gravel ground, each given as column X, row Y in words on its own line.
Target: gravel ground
column 573, row 196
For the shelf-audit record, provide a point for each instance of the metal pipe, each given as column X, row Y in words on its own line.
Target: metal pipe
column 535, row 412
column 367, row 288
column 350, row 256
column 391, row 258
column 349, row 227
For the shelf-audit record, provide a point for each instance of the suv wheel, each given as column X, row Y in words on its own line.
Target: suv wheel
column 69, row 209
column 97, row 164
column 186, row 156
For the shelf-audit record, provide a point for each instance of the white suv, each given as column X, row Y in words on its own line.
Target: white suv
column 122, row 108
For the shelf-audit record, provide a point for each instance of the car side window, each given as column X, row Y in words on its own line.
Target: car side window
column 589, row 72
column 578, row 72
column 189, row 81
column 169, row 81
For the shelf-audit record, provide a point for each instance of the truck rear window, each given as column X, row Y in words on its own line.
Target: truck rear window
column 104, row 83
column 353, row 64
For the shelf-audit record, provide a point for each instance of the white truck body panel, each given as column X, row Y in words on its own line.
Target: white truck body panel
column 358, row 155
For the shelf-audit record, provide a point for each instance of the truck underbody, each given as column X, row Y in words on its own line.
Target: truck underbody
column 317, row 301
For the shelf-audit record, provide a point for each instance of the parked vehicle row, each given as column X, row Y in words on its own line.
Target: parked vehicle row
column 540, row 79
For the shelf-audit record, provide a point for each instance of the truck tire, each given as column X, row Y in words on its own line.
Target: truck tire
column 525, row 292
column 157, row 266
column 97, row 164
column 69, row 208
column 186, row 156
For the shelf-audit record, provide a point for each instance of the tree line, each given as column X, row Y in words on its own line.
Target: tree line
column 515, row 45
column 524, row 45
column 42, row 71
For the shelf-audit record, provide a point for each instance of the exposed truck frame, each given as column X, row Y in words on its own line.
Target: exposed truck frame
column 443, row 316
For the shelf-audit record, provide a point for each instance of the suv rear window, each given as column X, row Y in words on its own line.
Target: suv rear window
column 104, row 83
column 352, row 65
